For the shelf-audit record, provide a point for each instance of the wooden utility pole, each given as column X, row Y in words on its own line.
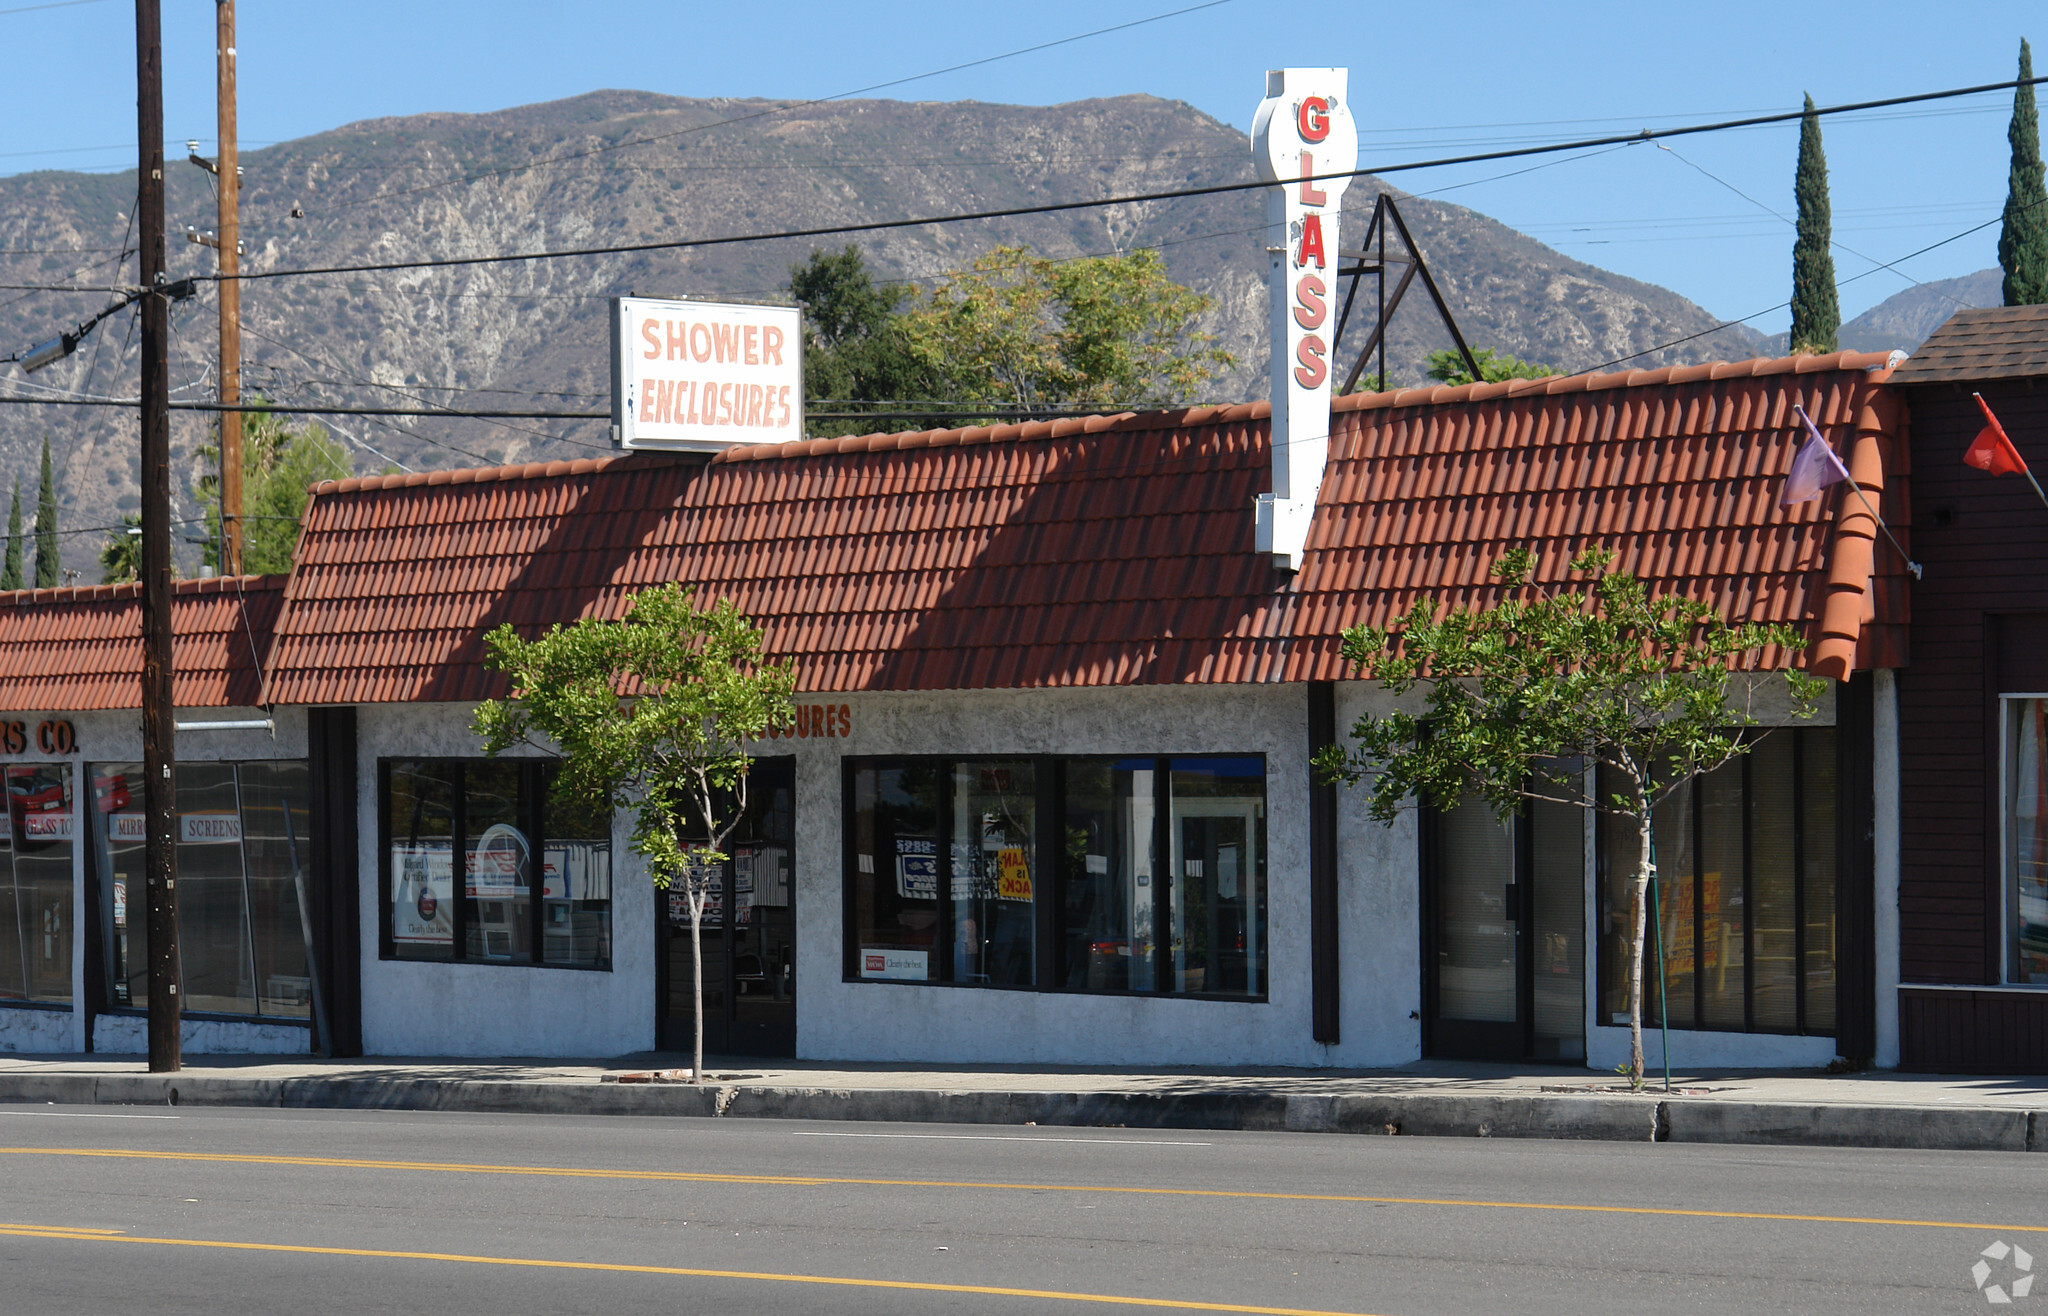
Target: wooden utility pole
column 230, row 191
column 159, row 858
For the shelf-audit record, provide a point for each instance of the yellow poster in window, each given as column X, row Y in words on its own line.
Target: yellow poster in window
column 1013, row 875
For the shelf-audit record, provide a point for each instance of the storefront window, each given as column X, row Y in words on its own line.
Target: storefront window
column 1745, row 895
column 35, row 885
column 491, row 819
column 2026, row 839
column 240, row 853
column 995, row 859
column 989, row 848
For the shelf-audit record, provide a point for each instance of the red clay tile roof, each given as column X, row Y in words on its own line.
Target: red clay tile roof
column 1113, row 550
column 80, row 649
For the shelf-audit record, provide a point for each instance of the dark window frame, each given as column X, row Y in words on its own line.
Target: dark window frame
column 1695, row 824
column 1049, row 969
column 532, row 814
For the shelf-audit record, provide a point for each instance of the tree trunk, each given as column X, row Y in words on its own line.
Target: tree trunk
column 696, row 895
column 1637, row 927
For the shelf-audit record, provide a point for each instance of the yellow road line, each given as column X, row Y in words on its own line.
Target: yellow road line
column 694, row 1272
column 823, row 1181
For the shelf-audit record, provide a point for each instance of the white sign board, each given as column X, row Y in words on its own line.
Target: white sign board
column 1302, row 129
column 703, row 376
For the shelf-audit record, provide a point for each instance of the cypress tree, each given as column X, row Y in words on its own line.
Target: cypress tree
column 10, row 574
column 2023, row 241
column 1816, row 315
column 49, row 568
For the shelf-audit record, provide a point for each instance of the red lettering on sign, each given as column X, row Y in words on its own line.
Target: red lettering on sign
column 845, row 720
column 786, row 414
column 653, row 337
column 1311, row 309
column 875, row 963
column 1312, row 118
column 727, row 339
column 700, row 342
column 771, row 344
column 678, row 336
column 1311, row 242
column 1311, row 195
column 1310, row 373
column 751, row 337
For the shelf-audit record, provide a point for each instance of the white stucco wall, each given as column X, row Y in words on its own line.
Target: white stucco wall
column 418, row 1008
column 32, row 1031
column 1379, row 933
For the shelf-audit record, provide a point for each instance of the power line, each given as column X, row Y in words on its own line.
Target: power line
column 780, row 109
column 1056, row 207
column 54, row 4
column 1728, row 324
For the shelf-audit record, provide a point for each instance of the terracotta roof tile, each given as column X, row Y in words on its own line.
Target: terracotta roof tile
column 79, row 649
column 1110, row 550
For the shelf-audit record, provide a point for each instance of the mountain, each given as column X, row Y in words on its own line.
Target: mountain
column 1903, row 320
column 617, row 167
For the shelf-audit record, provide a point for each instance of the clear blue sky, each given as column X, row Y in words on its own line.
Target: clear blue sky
column 1428, row 80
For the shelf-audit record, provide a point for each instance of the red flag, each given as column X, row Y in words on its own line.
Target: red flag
column 1991, row 450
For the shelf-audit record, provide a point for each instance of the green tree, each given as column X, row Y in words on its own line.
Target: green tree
column 1024, row 332
column 49, row 559
column 855, row 349
column 10, row 574
column 651, row 713
column 2023, row 241
column 1448, row 367
column 121, row 555
column 1816, row 314
column 279, row 463
column 1518, row 691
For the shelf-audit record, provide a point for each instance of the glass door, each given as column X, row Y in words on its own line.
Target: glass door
column 749, row 940
column 1505, row 973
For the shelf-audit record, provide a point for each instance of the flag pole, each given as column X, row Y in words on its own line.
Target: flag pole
column 1911, row 565
column 1814, row 430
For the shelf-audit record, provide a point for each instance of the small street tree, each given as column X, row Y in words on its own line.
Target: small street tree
column 2023, row 239
column 1599, row 672
column 650, row 713
column 1816, row 310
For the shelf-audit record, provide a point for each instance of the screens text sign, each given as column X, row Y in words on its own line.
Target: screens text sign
column 703, row 376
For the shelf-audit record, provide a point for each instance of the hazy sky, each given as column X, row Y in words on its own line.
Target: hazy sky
column 1428, row 80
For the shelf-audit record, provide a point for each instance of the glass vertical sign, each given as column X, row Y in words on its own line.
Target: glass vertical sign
column 703, row 376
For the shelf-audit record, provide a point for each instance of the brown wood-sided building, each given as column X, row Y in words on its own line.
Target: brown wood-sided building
column 1973, row 969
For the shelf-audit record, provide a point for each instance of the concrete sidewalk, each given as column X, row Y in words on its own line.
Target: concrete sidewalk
column 1430, row 1098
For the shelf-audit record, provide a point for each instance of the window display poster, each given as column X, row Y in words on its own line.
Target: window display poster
column 497, row 866
column 882, row 962
column 1013, row 874
column 423, row 882
column 577, row 870
column 917, row 868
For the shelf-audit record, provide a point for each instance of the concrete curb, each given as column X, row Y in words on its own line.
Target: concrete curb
column 1616, row 1118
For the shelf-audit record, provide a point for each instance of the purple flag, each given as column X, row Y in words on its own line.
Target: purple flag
column 1814, row 469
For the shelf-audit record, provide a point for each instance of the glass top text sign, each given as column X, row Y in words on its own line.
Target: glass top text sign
column 703, row 376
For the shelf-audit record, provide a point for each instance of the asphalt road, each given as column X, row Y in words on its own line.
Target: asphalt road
column 230, row 1211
